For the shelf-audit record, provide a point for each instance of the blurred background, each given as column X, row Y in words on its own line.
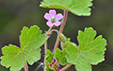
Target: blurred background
column 14, row 14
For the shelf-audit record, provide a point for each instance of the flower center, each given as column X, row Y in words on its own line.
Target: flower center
column 53, row 20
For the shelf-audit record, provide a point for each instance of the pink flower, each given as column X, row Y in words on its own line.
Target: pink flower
column 52, row 18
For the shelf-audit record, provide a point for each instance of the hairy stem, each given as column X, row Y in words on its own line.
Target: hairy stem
column 63, row 69
column 55, row 31
column 49, row 32
column 64, row 21
column 26, row 67
column 61, row 29
column 45, row 44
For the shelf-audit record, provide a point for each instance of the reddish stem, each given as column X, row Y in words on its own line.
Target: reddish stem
column 61, row 29
column 26, row 67
column 63, row 69
column 64, row 21
column 54, row 30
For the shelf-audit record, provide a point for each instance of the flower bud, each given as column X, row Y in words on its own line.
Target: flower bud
column 62, row 38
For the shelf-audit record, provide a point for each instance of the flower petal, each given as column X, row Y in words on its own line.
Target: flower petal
column 59, row 16
column 47, row 16
column 50, row 24
column 57, row 23
column 52, row 12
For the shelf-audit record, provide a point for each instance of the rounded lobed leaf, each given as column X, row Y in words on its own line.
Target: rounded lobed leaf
column 89, row 51
column 30, row 40
column 78, row 7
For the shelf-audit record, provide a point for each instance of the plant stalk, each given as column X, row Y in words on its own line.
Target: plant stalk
column 63, row 69
column 26, row 67
column 45, row 44
column 61, row 29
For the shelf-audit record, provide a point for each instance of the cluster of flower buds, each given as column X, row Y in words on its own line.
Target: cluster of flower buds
column 55, row 65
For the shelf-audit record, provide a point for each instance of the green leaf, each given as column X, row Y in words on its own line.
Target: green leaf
column 30, row 41
column 67, row 43
column 48, row 59
column 60, row 56
column 78, row 7
column 90, row 50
